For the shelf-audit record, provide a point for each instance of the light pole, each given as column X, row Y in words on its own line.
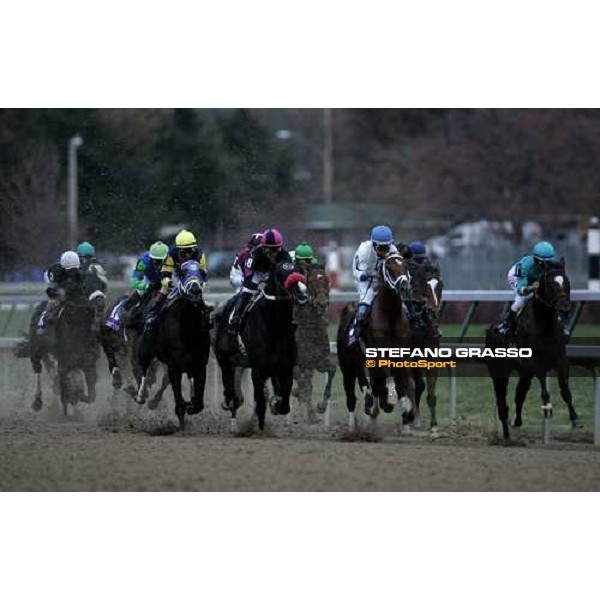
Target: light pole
column 74, row 143
column 327, row 156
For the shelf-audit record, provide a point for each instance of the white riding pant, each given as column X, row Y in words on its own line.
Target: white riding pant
column 519, row 301
column 366, row 291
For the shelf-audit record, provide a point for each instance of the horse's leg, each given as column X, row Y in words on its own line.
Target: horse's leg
column 91, row 377
column 36, row 364
column 349, row 381
column 260, row 400
column 331, row 369
column 63, row 379
column 520, row 395
column 432, row 398
column 547, row 410
column 419, row 383
column 143, row 358
column 108, row 343
column 175, row 379
column 407, row 404
column 158, row 396
column 282, row 386
column 562, row 373
column 305, row 389
column 500, row 388
column 198, row 390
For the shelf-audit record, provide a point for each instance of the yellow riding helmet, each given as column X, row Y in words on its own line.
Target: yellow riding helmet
column 185, row 239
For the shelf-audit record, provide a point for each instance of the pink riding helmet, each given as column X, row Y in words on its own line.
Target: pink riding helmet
column 272, row 238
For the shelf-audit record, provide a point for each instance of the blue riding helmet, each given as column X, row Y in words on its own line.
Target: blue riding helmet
column 382, row 234
column 544, row 251
column 418, row 249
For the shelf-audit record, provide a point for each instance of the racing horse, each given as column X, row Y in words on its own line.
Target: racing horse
column 267, row 333
column 76, row 351
column 313, row 341
column 538, row 328
column 41, row 343
column 182, row 342
column 387, row 327
column 424, row 314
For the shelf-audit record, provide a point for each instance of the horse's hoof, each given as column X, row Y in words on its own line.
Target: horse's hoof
column 516, row 423
column 385, row 406
column 321, row 408
column 576, row 424
column 369, row 404
column 153, row 404
column 434, row 432
column 406, row 430
column 195, row 408
column 37, row 404
column 139, row 400
column 117, row 379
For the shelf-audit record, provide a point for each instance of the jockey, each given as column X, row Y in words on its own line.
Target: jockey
column 146, row 278
column 523, row 277
column 65, row 280
column 366, row 260
column 418, row 253
column 186, row 248
column 267, row 264
column 303, row 256
column 90, row 264
column 238, row 270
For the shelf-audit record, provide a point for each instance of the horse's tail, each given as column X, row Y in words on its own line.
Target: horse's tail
column 346, row 317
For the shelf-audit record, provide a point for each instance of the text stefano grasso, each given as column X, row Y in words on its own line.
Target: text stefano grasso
column 465, row 352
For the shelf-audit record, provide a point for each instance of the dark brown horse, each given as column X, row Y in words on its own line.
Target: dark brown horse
column 387, row 327
column 538, row 328
column 426, row 284
column 182, row 342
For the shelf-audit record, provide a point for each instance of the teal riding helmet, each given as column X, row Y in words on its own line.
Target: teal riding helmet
column 544, row 251
column 86, row 249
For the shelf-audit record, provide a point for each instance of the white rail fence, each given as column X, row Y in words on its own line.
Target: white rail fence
column 16, row 298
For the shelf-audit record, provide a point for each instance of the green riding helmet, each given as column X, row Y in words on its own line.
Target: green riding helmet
column 303, row 252
column 544, row 251
column 159, row 251
column 86, row 249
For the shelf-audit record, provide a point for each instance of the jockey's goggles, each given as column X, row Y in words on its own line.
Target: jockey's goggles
column 385, row 248
column 157, row 262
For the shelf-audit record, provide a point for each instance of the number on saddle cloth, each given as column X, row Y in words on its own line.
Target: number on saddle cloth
column 115, row 318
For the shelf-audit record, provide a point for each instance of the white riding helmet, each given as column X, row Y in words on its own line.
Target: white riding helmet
column 70, row 260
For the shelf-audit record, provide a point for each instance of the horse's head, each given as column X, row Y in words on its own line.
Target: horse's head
column 395, row 275
column 317, row 283
column 191, row 281
column 554, row 288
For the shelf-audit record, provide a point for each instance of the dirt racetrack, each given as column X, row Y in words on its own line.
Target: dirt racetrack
column 138, row 450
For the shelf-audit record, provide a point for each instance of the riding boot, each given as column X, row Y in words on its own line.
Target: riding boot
column 508, row 325
column 239, row 307
column 362, row 316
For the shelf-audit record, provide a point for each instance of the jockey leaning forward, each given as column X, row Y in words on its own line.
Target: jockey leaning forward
column 367, row 258
column 65, row 280
column 145, row 280
column 238, row 269
column 90, row 264
column 186, row 248
column 268, row 264
column 523, row 277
